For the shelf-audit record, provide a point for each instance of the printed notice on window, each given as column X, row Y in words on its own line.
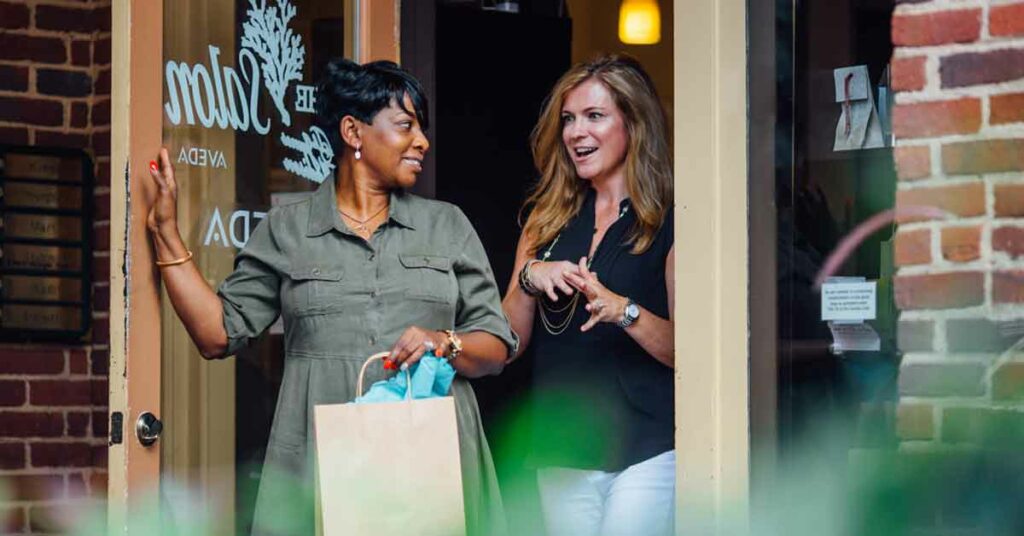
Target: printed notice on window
column 854, row 337
column 848, row 301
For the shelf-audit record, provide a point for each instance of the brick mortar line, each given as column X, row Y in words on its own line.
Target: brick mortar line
column 935, row 241
column 937, row 180
column 937, row 6
column 992, row 134
column 44, row 97
column 985, row 34
column 43, row 471
column 990, row 199
column 940, row 342
column 944, row 268
column 936, row 315
column 986, row 110
column 31, row 63
column 66, row 35
column 10, row 376
column 958, row 402
column 940, row 403
column 950, row 49
column 934, row 157
column 56, row 2
column 46, row 503
column 938, row 94
column 974, row 311
column 947, row 358
column 932, row 76
column 987, row 286
column 999, row 221
column 68, row 440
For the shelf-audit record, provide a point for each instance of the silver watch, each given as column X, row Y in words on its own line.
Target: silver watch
column 629, row 314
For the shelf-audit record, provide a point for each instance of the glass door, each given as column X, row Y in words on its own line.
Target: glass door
column 824, row 358
column 238, row 123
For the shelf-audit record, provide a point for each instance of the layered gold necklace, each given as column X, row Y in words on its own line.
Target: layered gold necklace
column 559, row 327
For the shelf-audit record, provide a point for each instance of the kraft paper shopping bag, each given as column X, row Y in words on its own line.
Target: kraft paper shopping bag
column 388, row 468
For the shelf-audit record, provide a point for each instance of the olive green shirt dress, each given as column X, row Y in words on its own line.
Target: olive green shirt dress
column 342, row 299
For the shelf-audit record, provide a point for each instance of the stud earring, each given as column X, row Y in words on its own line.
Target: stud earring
column 359, row 154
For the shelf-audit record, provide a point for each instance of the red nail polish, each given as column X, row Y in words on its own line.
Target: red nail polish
column 152, row 165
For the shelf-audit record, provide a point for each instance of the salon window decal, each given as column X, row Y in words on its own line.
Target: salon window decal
column 271, row 58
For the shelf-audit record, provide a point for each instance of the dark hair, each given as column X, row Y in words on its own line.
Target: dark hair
column 347, row 88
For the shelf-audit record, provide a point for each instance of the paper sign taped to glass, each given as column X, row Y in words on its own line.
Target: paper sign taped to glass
column 854, row 337
column 859, row 126
column 388, row 464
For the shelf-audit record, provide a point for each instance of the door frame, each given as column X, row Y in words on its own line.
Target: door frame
column 711, row 219
column 711, row 214
column 136, row 95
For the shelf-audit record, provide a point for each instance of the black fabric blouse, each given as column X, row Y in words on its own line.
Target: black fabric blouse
column 599, row 400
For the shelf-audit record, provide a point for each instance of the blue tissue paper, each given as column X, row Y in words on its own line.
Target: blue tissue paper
column 431, row 377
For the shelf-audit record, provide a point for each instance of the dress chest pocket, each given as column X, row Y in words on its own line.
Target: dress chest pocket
column 428, row 277
column 313, row 289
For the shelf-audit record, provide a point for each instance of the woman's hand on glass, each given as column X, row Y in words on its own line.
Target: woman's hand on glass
column 602, row 304
column 549, row 276
column 412, row 344
column 163, row 214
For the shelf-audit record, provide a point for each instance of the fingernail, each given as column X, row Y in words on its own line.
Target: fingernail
column 404, row 367
column 152, row 165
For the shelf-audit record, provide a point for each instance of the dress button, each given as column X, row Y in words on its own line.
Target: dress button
column 316, row 271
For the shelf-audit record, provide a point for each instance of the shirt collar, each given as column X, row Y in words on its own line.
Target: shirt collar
column 323, row 212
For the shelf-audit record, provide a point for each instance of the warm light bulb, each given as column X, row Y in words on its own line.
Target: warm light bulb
column 639, row 22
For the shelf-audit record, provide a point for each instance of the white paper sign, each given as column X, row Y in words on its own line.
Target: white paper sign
column 854, row 337
column 848, row 301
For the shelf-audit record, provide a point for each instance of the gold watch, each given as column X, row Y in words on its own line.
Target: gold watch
column 454, row 345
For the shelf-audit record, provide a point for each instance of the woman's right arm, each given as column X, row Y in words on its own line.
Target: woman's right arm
column 197, row 305
column 520, row 306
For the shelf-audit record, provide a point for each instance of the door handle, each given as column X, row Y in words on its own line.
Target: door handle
column 148, row 428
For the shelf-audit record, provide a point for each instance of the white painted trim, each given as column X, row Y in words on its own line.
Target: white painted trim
column 712, row 394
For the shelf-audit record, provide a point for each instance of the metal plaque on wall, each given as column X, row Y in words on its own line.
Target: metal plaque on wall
column 45, row 243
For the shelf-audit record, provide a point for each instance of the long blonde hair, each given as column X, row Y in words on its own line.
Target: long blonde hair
column 558, row 195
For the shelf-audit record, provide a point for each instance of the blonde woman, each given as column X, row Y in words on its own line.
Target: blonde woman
column 592, row 297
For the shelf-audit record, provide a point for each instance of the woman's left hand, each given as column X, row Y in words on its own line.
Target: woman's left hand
column 603, row 304
column 413, row 343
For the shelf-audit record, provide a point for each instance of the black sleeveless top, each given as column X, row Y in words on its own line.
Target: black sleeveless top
column 599, row 400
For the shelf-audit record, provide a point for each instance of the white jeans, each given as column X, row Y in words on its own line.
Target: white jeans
column 638, row 501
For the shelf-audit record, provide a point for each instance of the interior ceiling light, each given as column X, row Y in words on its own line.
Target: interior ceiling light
column 639, row 22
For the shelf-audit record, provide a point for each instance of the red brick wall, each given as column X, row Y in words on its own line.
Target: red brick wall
column 55, row 91
column 958, row 68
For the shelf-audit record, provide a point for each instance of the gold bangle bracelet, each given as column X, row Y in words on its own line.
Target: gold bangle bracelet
column 175, row 262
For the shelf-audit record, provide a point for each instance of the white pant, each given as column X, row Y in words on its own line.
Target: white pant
column 638, row 501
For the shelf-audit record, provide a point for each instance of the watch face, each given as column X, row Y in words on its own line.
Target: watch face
column 632, row 310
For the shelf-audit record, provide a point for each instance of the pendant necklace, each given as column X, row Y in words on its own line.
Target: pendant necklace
column 361, row 224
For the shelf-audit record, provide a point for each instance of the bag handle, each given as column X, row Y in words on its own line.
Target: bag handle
column 381, row 357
